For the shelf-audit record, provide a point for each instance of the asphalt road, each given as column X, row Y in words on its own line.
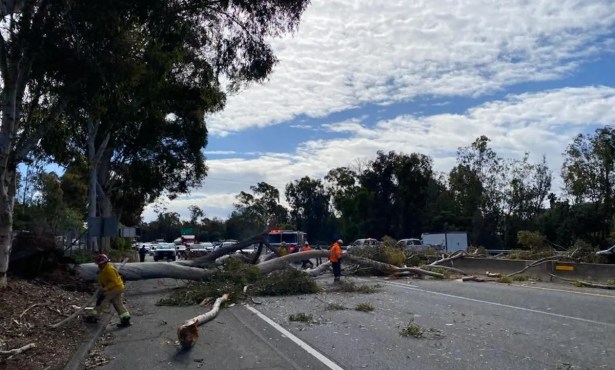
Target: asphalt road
column 466, row 326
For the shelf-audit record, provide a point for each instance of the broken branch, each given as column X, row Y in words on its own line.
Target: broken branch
column 188, row 332
column 17, row 351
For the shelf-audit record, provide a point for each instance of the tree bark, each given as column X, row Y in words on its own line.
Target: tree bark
column 188, row 332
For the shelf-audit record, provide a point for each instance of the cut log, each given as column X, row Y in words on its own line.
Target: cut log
column 148, row 270
column 188, row 332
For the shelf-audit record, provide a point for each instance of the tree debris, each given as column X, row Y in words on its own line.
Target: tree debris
column 188, row 332
column 16, row 351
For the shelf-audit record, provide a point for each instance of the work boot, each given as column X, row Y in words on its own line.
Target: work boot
column 124, row 322
column 336, row 279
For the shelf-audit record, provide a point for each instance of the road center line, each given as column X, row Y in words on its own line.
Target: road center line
column 500, row 304
column 309, row 349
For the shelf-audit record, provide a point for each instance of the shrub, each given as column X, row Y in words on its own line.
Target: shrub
column 302, row 317
column 532, row 240
column 412, row 330
column 335, row 307
column 364, row 307
column 505, row 280
column 520, row 278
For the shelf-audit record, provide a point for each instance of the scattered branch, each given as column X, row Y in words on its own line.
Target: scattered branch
column 585, row 283
column 16, row 351
column 452, row 257
column 188, row 332
column 27, row 309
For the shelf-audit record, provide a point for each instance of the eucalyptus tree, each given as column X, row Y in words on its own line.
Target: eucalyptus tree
column 309, row 207
column 48, row 54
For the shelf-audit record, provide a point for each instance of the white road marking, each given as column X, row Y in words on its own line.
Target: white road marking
column 567, row 291
column 501, row 305
column 322, row 358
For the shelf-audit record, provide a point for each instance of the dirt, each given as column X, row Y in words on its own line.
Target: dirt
column 27, row 307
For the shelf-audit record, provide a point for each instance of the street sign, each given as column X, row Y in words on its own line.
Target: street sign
column 186, row 231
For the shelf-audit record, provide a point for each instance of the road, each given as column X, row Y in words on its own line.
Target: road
column 466, row 326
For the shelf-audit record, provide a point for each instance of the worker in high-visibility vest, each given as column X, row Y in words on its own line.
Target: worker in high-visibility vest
column 335, row 257
column 306, row 263
column 282, row 251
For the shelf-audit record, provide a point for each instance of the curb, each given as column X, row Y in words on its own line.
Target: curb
column 77, row 360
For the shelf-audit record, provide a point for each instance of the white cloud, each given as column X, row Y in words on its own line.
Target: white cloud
column 541, row 123
column 348, row 53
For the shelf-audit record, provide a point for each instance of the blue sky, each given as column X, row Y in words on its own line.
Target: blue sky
column 428, row 77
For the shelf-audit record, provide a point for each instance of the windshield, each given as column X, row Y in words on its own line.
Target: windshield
column 274, row 238
column 289, row 238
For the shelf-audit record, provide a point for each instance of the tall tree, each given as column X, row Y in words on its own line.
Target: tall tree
column 41, row 66
column 309, row 207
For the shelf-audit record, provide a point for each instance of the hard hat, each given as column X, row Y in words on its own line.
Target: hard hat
column 306, row 243
column 283, row 243
column 101, row 259
column 340, row 241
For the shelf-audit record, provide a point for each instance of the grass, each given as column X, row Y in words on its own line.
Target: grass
column 520, row 278
column 335, row 307
column 364, row 307
column 610, row 282
column 351, row 287
column 505, row 280
column 301, row 317
column 412, row 330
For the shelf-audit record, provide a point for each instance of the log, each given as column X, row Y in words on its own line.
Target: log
column 188, row 332
column 148, row 270
column 282, row 262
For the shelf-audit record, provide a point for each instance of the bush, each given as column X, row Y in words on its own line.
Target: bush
column 364, row 307
column 412, row 330
column 532, row 240
column 302, row 317
column 386, row 253
column 285, row 282
column 505, row 280
column 335, row 307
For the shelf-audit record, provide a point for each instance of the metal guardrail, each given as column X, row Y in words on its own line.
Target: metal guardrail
column 494, row 252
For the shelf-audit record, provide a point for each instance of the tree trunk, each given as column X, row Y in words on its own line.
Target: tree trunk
column 92, row 205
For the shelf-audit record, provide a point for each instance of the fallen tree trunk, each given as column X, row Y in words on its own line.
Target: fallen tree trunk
column 148, row 270
column 188, row 332
column 390, row 269
column 210, row 257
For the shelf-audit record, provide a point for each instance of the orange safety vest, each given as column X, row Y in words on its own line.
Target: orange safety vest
column 306, row 248
column 335, row 253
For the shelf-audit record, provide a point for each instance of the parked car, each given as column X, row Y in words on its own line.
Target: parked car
column 609, row 253
column 165, row 251
column 367, row 242
column 200, row 249
column 412, row 244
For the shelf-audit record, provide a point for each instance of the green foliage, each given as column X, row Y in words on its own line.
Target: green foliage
column 610, row 282
column 386, row 253
column 301, row 317
column 118, row 255
column 520, row 278
column 309, row 207
column 521, row 254
column 122, row 244
column 231, row 280
column 335, row 307
column 412, row 330
column 83, row 256
column 532, row 240
column 364, row 307
column 286, row 282
column 505, row 280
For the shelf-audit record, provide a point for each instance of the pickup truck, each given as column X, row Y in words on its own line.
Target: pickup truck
column 165, row 251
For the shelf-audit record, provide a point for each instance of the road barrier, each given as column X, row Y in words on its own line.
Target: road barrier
column 571, row 270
